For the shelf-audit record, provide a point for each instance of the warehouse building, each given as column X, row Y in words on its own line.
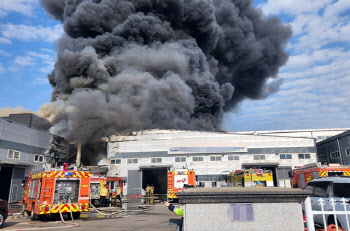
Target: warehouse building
column 23, row 148
column 144, row 157
column 335, row 149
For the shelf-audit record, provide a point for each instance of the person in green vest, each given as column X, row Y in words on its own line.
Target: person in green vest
column 103, row 195
column 172, row 208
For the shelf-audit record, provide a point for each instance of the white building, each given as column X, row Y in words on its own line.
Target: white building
column 144, row 157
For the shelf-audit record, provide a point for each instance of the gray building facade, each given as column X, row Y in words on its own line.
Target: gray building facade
column 335, row 149
column 22, row 149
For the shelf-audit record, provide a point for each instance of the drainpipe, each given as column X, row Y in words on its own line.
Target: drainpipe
column 78, row 161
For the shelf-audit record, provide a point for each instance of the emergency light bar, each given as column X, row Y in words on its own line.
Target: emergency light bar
column 68, row 173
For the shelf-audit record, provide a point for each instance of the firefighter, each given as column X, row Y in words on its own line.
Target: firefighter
column 172, row 208
column 103, row 195
column 119, row 195
column 151, row 191
column 148, row 189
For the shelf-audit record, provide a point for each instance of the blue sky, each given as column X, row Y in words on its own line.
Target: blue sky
column 315, row 93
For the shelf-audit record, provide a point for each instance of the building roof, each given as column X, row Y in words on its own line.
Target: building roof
column 332, row 138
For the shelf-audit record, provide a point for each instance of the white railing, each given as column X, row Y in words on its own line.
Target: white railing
column 327, row 208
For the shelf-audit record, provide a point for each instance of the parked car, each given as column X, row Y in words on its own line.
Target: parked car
column 4, row 211
column 327, row 188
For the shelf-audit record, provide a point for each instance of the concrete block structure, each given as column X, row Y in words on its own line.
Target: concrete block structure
column 235, row 208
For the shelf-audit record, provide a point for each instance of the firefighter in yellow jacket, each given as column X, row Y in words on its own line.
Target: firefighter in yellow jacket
column 119, row 195
column 103, row 195
column 148, row 189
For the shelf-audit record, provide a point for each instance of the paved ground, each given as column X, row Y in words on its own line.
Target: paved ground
column 155, row 217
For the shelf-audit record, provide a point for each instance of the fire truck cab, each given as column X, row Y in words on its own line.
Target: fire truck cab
column 50, row 192
column 177, row 180
column 300, row 176
column 112, row 184
column 251, row 178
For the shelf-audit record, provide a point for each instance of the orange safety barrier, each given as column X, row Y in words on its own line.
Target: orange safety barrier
column 330, row 227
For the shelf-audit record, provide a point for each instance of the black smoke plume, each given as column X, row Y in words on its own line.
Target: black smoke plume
column 142, row 64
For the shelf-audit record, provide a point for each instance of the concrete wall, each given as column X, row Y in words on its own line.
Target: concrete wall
column 272, row 209
column 267, row 216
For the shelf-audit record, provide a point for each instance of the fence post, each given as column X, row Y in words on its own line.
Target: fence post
column 344, row 203
column 309, row 216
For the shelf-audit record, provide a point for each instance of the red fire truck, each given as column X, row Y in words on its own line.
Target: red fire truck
column 302, row 175
column 176, row 181
column 55, row 191
column 112, row 184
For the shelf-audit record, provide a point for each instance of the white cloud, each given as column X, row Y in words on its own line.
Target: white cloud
column 31, row 33
column 47, row 50
column 24, row 61
column 293, row 7
column 40, row 81
column 317, row 74
column 42, row 62
column 2, row 69
column 4, row 53
column 5, row 40
column 25, row 7
column 48, row 59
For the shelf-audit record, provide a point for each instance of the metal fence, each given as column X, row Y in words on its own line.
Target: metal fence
column 338, row 209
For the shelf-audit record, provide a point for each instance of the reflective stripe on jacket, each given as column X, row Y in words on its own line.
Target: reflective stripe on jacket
column 177, row 211
column 103, row 191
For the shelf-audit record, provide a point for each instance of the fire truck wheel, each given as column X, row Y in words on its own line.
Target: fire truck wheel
column 2, row 219
column 33, row 216
column 23, row 211
column 110, row 201
column 76, row 215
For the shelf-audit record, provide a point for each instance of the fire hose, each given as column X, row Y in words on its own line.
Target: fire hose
column 70, row 210
column 107, row 214
column 71, row 224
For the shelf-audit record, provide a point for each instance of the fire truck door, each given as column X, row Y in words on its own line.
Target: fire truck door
column 32, row 189
column 315, row 175
column 302, row 180
column 38, row 192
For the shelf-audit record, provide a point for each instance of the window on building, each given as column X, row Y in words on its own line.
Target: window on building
column 39, row 158
column 285, row 156
column 335, row 155
column 116, row 161
column 259, row 157
column 180, row 159
column 13, row 154
column 198, row 158
column 132, row 161
column 215, row 158
column 347, row 151
column 156, row 160
column 304, row 156
column 319, row 138
column 233, row 157
column 322, row 158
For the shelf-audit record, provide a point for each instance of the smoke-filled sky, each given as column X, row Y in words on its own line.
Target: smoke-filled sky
column 190, row 60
